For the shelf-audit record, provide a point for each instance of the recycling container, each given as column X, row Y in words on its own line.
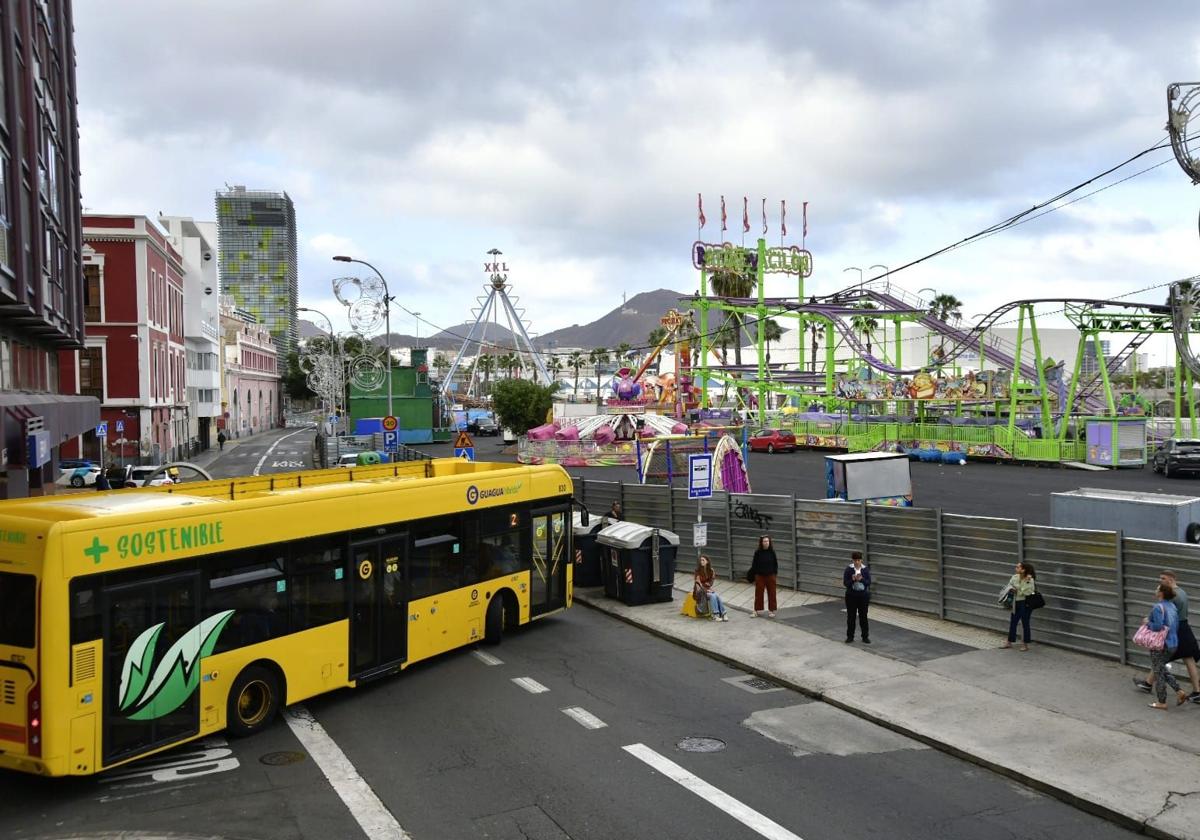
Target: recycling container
column 642, row 561
column 587, row 553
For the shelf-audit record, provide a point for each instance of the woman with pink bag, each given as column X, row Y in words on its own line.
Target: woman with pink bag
column 1159, row 635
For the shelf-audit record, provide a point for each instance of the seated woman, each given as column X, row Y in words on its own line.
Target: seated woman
column 703, row 591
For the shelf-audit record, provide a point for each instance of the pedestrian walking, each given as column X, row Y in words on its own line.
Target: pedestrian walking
column 1023, row 584
column 1187, row 650
column 857, row 579
column 1163, row 615
column 221, row 441
column 764, row 568
column 704, row 592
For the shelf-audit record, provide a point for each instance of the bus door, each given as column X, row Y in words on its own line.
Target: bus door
column 548, row 578
column 152, row 641
column 379, row 633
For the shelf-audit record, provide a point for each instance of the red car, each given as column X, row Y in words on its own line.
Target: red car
column 773, row 440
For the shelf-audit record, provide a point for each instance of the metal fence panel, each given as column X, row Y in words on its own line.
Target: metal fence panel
column 599, row 495
column 1077, row 573
column 826, row 533
column 648, row 504
column 978, row 557
column 902, row 550
column 1144, row 560
column 753, row 514
column 715, row 511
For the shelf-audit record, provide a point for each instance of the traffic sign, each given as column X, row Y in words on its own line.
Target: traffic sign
column 700, row 475
column 463, row 441
column 120, row 426
column 102, row 430
column 391, row 441
column 390, row 424
column 467, row 452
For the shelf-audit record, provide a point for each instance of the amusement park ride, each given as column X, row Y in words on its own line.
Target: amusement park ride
column 868, row 395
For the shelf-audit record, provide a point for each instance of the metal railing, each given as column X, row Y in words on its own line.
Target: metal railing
column 1098, row 585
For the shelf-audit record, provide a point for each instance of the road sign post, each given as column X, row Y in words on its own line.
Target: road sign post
column 464, row 447
column 700, row 487
column 102, row 435
column 391, row 441
column 390, row 423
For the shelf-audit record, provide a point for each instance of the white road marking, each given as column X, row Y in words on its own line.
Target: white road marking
column 486, row 658
column 271, row 449
column 375, row 820
column 741, row 812
column 584, row 718
column 530, row 684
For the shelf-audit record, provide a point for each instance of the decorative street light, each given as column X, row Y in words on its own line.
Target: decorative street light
column 860, row 275
column 387, row 314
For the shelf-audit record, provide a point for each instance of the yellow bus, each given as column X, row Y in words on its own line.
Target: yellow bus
column 134, row 620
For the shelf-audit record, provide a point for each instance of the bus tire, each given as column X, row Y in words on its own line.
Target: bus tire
column 493, row 622
column 254, row 700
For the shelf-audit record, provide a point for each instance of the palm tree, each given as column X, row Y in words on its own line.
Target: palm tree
column 598, row 357
column 554, row 367
column 575, row 362
column 486, row 365
column 734, row 284
column 656, row 336
column 865, row 324
column 945, row 308
column 440, row 365
column 508, row 362
column 771, row 332
column 817, row 329
column 623, row 351
column 722, row 338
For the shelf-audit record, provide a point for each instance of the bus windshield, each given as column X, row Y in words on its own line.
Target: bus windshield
column 18, row 609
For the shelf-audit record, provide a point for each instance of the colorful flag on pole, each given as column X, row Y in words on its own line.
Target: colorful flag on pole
column 700, row 207
column 724, row 218
column 764, row 217
column 783, row 216
column 745, row 215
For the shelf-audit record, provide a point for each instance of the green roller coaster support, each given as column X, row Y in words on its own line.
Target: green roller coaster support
column 1066, row 409
column 1191, row 396
column 1041, row 369
column 703, row 302
column 1102, row 363
column 1016, row 374
column 1178, row 396
column 829, row 360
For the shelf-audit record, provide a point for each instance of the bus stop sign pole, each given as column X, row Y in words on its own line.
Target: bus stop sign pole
column 700, row 487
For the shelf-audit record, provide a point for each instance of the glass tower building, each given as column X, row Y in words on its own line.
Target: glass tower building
column 256, row 236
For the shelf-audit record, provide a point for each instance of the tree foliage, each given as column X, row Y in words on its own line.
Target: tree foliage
column 295, row 382
column 521, row 404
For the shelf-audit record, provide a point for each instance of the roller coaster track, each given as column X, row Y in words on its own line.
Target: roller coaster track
column 841, row 308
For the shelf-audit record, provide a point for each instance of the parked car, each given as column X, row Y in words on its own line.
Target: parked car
column 78, row 476
column 773, row 440
column 349, row 459
column 75, row 463
column 129, row 476
column 1176, row 457
column 484, row 426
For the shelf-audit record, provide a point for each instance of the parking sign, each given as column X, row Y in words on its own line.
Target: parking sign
column 391, row 441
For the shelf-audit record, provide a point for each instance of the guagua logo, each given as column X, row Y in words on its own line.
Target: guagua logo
column 145, row 697
column 474, row 494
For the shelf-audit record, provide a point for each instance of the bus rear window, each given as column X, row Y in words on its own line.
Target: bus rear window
column 18, row 609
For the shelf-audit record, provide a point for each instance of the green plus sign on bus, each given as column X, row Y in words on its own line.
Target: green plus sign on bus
column 96, row 550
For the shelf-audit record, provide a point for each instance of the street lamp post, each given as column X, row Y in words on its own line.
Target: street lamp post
column 417, row 320
column 860, row 275
column 387, row 316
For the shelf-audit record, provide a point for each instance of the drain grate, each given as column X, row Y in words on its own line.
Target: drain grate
column 279, row 759
column 701, row 745
column 753, row 684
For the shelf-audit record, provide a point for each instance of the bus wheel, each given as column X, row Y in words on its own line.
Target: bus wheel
column 493, row 623
column 253, row 701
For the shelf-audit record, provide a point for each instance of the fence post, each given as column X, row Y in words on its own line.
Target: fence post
column 795, row 545
column 1020, row 540
column 941, row 569
column 1121, row 596
column 671, row 507
column 621, row 497
column 862, row 509
column 729, row 536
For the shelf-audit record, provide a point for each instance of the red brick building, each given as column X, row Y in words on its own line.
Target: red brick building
column 134, row 359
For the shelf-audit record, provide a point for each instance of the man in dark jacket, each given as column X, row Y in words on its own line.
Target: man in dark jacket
column 857, row 580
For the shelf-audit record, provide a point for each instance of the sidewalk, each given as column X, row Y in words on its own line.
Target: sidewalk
column 1067, row 724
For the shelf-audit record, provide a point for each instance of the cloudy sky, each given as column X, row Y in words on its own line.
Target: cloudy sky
column 576, row 136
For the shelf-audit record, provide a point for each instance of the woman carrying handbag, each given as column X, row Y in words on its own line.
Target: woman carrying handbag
column 1023, row 585
column 1159, row 635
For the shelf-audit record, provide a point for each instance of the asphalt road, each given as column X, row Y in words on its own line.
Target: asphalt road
column 481, row 744
column 455, row 748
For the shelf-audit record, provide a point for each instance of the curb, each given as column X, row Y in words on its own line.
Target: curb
column 1062, row 794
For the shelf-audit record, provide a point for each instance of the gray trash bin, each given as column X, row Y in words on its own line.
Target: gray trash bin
column 640, row 562
column 587, row 553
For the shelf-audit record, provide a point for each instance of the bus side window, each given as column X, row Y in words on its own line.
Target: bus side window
column 85, row 612
column 251, row 583
column 472, row 554
column 436, row 559
column 317, row 579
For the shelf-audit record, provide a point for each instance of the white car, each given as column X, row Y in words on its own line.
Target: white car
column 138, row 476
column 78, row 477
column 350, row 459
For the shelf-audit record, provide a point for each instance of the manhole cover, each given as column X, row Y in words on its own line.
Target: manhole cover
column 278, row 759
column 701, row 745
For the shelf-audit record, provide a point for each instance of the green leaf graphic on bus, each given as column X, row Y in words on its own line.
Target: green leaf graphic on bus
column 176, row 676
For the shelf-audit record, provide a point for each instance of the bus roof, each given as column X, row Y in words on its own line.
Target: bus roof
column 215, row 494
